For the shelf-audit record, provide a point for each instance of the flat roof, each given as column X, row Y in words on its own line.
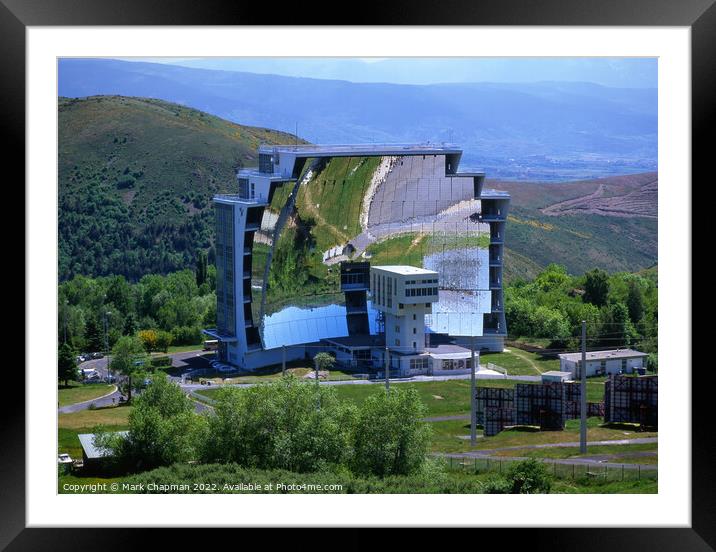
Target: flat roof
column 604, row 355
column 405, row 270
column 326, row 150
column 448, row 351
column 87, row 442
column 556, row 373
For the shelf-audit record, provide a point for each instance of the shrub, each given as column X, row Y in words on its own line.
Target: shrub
column 161, row 362
column 279, row 425
column 529, row 477
column 389, row 437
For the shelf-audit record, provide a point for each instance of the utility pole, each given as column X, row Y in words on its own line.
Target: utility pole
column 283, row 360
column 387, row 370
column 473, row 397
column 583, row 393
column 64, row 319
column 106, row 343
column 318, row 385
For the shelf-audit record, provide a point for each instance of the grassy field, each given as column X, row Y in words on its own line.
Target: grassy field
column 299, row 371
column 84, row 421
column 619, row 451
column 76, row 392
column 443, row 398
column 449, row 436
column 185, row 348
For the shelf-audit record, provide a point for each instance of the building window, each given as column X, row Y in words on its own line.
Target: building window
column 414, row 318
column 397, row 342
column 415, row 345
column 397, row 329
column 415, row 330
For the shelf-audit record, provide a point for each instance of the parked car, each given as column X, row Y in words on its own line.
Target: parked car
column 64, row 458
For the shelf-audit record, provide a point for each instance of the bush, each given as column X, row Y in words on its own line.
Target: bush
column 183, row 475
column 389, row 437
column 126, row 182
column 185, row 335
column 163, row 430
column 529, row 477
column 279, row 425
column 161, row 362
column 497, row 485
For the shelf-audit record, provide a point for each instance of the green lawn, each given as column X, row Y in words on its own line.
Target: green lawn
column 447, row 435
column 443, row 398
column 76, row 392
column 70, row 425
column 620, row 452
column 514, row 364
column 185, row 348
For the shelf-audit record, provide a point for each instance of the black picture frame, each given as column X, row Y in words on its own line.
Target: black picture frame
column 699, row 15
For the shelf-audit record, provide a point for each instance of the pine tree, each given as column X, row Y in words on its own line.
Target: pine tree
column 94, row 335
column 66, row 363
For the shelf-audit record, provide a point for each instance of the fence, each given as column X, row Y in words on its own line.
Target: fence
column 559, row 470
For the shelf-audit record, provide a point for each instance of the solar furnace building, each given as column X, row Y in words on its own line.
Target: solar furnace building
column 295, row 243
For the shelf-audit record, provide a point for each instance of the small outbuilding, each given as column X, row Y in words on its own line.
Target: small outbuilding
column 602, row 363
column 94, row 458
column 555, row 376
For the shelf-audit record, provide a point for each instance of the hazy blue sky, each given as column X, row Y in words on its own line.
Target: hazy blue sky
column 614, row 72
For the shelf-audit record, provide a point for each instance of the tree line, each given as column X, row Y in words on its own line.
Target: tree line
column 172, row 308
column 621, row 309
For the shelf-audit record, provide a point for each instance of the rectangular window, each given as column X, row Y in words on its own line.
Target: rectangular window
column 415, row 330
column 397, row 329
column 397, row 342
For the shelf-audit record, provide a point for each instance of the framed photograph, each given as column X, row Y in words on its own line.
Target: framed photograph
column 395, row 274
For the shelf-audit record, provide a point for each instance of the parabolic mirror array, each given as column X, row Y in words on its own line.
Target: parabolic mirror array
column 385, row 210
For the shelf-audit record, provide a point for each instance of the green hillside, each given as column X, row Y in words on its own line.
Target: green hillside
column 612, row 225
column 135, row 180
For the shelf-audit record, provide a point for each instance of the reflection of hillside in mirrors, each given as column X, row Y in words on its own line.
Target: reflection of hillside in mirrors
column 365, row 202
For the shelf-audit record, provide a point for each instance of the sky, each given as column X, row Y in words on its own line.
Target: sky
column 612, row 72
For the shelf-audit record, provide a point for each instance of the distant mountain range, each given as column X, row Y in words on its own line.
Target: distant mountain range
column 539, row 131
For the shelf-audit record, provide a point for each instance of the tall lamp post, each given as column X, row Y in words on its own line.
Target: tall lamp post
column 106, row 344
column 64, row 319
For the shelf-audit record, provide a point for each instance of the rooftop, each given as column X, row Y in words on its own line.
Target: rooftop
column 604, row 355
column 368, row 149
column 448, row 351
column 87, row 442
column 405, row 270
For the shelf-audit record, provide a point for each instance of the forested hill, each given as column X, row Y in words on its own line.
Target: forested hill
column 135, row 180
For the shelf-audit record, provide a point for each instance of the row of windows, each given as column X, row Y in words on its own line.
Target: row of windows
column 421, row 292
column 428, row 281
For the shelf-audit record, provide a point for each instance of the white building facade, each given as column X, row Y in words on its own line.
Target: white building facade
column 602, row 363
